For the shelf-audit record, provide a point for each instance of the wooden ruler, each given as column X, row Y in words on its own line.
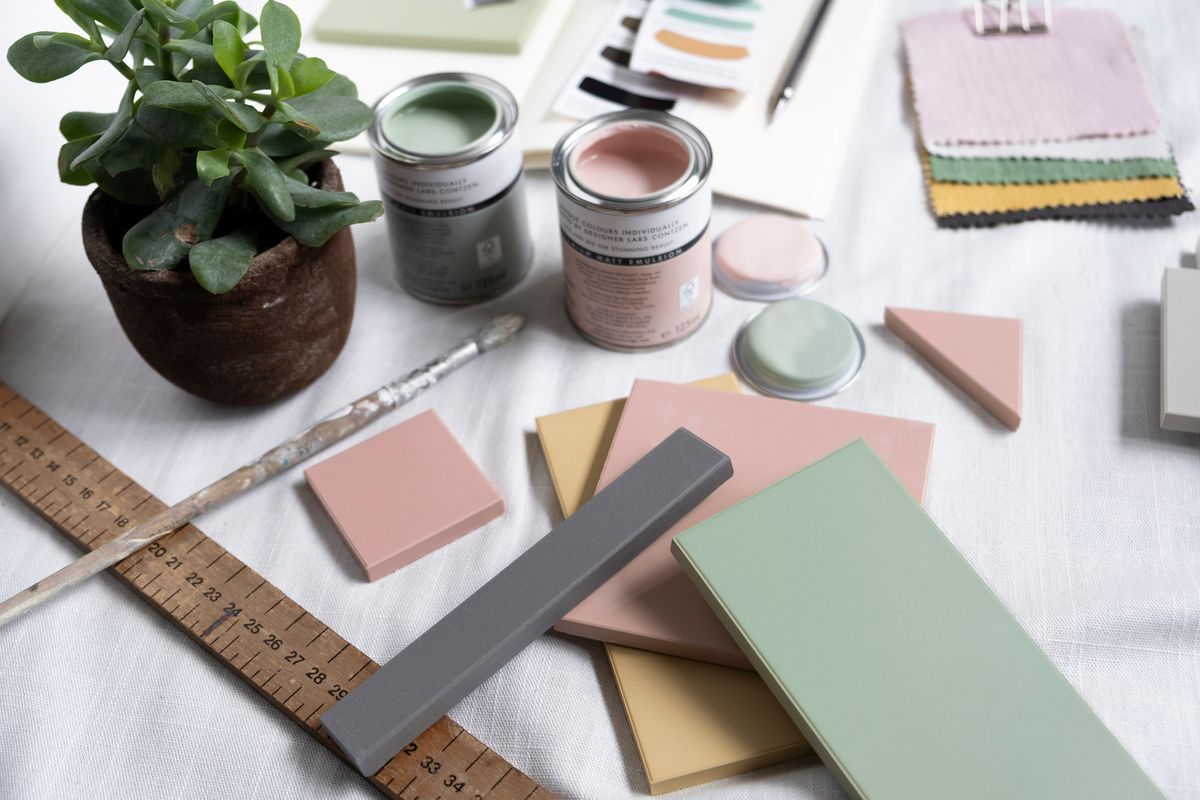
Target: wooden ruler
column 289, row 656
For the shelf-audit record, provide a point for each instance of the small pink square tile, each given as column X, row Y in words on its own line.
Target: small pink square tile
column 404, row 493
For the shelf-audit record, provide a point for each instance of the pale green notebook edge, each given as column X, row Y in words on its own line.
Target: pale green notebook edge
column 792, row 704
column 500, row 29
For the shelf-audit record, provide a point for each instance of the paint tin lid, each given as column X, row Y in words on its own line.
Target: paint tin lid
column 658, row 126
column 798, row 349
column 768, row 257
column 460, row 118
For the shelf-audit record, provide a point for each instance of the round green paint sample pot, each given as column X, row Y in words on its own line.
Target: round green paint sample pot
column 799, row 350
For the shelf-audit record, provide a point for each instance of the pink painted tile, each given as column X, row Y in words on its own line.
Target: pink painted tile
column 651, row 604
column 982, row 355
column 404, row 493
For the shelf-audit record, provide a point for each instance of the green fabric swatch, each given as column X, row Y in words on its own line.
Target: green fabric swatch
column 899, row 665
column 1046, row 170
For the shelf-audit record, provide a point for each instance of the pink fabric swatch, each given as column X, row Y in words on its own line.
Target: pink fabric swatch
column 1081, row 80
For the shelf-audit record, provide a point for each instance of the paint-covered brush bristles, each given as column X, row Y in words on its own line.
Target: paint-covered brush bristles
column 499, row 331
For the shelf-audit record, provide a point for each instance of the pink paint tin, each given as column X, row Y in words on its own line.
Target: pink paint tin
column 634, row 206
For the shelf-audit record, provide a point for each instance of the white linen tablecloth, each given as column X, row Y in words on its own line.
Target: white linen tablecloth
column 1085, row 521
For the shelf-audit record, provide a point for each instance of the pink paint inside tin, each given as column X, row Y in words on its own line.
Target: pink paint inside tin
column 630, row 161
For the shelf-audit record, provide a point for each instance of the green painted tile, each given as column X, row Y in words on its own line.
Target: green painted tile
column 906, row 673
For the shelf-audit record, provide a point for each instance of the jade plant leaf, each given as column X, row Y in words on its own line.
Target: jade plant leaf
column 193, row 8
column 116, row 129
column 307, row 196
column 226, row 11
column 314, row 226
column 281, row 83
column 80, row 124
column 184, row 96
column 148, row 74
column 337, row 118
column 295, row 122
column 190, row 48
column 337, row 86
column 305, row 160
column 43, row 40
column 66, row 154
column 132, row 186
column 176, row 128
column 251, row 73
column 212, row 164
column 230, row 134
column 218, row 264
column 136, row 149
column 280, row 142
column 228, row 47
column 162, row 14
column 119, row 47
column 85, row 21
column 164, row 237
column 113, row 13
column 244, row 116
column 165, row 172
column 48, row 63
column 335, row 110
column 207, row 70
column 280, row 33
column 310, row 74
column 267, row 183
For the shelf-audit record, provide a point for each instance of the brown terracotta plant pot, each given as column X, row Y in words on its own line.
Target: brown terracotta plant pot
column 273, row 334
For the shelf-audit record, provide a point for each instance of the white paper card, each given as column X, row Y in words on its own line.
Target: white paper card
column 702, row 42
column 603, row 82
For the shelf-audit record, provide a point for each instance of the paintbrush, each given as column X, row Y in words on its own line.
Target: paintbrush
column 330, row 430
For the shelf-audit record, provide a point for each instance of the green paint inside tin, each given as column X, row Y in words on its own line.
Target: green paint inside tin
column 441, row 119
column 802, row 344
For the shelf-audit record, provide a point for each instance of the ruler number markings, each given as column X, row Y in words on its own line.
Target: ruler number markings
column 224, row 601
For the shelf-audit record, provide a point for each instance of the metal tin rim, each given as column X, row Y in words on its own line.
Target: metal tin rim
column 738, row 289
column 700, row 163
column 501, row 132
column 572, row 160
column 741, row 362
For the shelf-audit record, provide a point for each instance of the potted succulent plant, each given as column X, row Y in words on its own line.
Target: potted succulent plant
column 219, row 225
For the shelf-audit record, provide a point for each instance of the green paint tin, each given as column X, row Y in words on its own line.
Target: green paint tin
column 450, row 171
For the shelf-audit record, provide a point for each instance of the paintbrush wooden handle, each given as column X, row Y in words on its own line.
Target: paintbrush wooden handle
column 328, row 431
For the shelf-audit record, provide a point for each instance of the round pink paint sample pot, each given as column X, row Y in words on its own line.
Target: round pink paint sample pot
column 769, row 257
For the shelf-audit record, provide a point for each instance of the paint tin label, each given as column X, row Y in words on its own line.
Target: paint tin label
column 456, row 190
column 638, row 281
column 457, row 220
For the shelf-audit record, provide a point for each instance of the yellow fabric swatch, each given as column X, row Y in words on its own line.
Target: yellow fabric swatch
column 693, row 722
column 990, row 198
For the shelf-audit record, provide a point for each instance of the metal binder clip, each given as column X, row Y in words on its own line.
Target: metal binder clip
column 986, row 8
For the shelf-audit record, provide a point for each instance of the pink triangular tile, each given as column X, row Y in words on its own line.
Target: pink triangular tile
column 982, row 355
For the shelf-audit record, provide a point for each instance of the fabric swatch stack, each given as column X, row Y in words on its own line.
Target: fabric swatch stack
column 1053, row 125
